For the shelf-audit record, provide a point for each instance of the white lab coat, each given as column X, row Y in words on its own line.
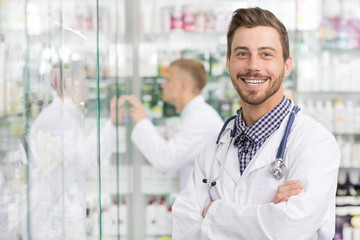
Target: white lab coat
column 243, row 208
column 61, row 154
column 198, row 122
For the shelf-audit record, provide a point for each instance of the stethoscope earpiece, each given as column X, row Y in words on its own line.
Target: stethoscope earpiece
column 213, row 183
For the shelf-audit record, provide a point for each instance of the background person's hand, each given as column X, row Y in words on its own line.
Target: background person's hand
column 287, row 190
column 120, row 111
column 137, row 112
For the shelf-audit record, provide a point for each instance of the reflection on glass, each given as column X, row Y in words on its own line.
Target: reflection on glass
column 61, row 154
column 12, row 184
column 48, row 122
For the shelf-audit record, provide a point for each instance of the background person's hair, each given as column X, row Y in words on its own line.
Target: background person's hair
column 196, row 70
column 254, row 17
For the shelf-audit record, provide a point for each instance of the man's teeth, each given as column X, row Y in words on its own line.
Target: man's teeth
column 254, row 81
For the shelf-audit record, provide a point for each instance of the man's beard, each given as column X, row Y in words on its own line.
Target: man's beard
column 253, row 97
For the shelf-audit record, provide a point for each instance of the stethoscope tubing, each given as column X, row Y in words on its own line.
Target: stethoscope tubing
column 281, row 150
column 212, row 182
column 233, row 131
column 279, row 155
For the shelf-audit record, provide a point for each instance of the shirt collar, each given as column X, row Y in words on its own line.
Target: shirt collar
column 266, row 125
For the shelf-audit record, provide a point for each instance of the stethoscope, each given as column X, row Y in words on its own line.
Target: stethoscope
column 277, row 167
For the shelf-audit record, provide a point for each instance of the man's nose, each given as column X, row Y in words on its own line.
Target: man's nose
column 253, row 63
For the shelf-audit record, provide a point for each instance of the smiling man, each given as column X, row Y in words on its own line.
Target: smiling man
column 231, row 193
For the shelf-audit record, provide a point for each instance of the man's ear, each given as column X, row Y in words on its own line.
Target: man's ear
column 287, row 67
column 227, row 64
column 185, row 84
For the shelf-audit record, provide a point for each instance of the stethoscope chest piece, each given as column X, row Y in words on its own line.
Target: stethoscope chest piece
column 278, row 168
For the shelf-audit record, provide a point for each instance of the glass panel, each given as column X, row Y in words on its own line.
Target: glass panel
column 15, row 116
column 59, row 148
column 114, row 71
column 55, row 113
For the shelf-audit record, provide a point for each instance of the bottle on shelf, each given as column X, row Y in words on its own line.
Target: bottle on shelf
column 151, row 219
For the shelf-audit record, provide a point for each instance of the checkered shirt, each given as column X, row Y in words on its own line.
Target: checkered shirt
column 249, row 139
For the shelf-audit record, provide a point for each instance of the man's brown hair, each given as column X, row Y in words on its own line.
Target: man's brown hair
column 254, row 17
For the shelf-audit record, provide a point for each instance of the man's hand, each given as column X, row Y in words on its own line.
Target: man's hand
column 137, row 112
column 287, row 190
column 116, row 107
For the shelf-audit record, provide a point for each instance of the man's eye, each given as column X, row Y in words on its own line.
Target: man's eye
column 242, row 54
column 267, row 54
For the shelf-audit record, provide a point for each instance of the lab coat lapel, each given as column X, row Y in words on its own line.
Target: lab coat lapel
column 232, row 166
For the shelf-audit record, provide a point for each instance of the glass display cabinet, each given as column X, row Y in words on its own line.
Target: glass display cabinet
column 64, row 160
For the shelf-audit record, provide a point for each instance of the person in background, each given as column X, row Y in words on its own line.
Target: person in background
column 198, row 120
column 60, row 156
column 249, row 200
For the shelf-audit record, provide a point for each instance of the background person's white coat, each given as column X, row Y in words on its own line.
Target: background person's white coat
column 198, row 123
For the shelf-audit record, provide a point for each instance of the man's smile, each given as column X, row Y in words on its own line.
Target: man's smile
column 253, row 82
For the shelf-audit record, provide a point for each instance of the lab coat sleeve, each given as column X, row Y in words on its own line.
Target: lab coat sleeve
column 177, row 152
column 316, row 166
column 157, row 150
